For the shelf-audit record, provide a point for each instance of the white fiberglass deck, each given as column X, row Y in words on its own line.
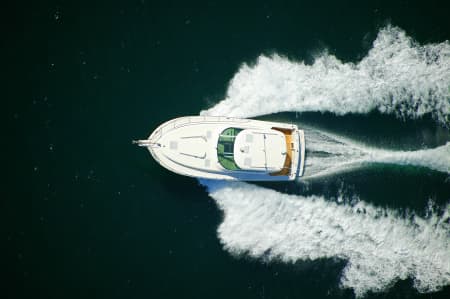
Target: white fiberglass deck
column 228, row 148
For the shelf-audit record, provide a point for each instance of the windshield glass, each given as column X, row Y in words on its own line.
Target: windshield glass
column 225, row 148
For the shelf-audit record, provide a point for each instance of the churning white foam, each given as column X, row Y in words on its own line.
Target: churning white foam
column 437, row 158
column 398, row 76
column 379, row 246
column 327, row 154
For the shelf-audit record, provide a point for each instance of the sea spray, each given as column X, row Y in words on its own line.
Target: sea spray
column 380, row 246
column 436, row 158
column 328, row 153
column 398, row 76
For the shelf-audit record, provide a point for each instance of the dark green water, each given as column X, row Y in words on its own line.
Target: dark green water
column 86, row 214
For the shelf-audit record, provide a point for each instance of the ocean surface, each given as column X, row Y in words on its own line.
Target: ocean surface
column 86, row 214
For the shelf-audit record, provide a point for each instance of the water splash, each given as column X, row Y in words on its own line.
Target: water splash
column 327, row 154
column 398, row 76
column 380, row 247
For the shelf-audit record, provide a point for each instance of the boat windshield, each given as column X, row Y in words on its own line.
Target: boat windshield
column 225, row 148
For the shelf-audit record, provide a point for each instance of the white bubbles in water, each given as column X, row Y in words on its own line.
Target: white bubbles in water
column 398, row 76
column 379, row 246
column 328, row 154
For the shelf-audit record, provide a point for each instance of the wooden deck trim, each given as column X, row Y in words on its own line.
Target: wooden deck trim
column 286, row 170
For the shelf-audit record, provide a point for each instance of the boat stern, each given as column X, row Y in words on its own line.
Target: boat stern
column 301, row 166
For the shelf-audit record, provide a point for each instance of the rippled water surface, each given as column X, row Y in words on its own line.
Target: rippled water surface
column 87, row 214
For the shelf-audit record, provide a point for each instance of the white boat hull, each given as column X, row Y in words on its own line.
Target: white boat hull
column 264, row 151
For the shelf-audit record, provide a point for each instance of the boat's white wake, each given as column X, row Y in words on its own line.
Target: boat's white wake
column 397, row 76
column 327, row 154
column 379, row 246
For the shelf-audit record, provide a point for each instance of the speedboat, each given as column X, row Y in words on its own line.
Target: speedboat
column 226, row 148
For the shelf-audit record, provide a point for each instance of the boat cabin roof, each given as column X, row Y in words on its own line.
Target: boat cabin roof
column 251, row 149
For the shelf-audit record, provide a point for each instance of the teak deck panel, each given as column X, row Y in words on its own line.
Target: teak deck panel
column 286, row 170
